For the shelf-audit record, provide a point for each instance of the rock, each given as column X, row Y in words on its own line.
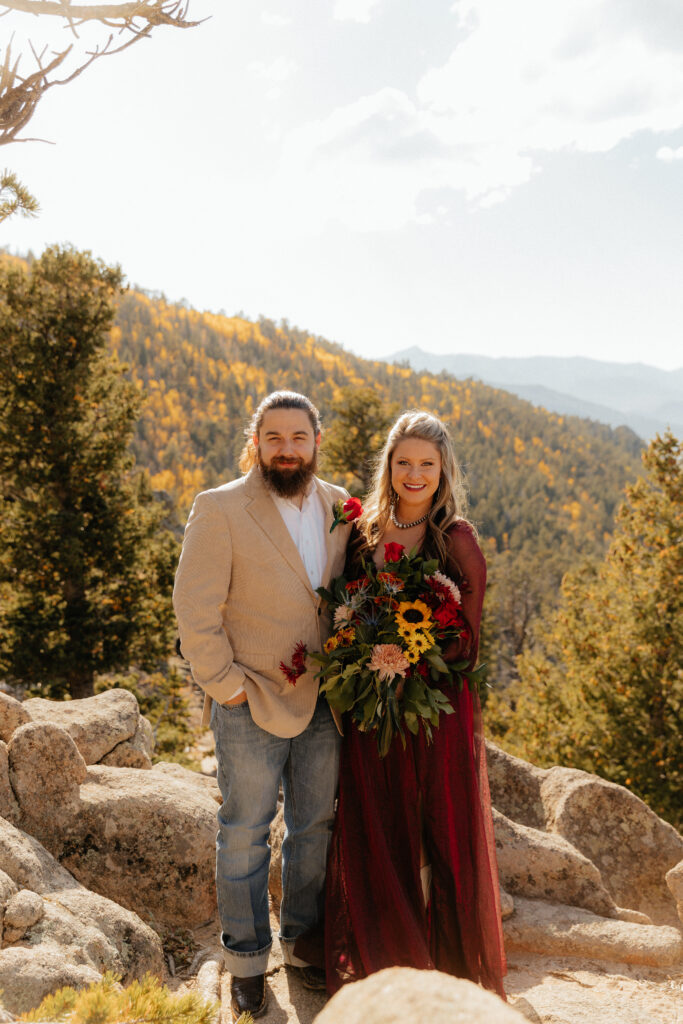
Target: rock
column 45, row 769
column 674, row 880
column 630, row 846
column 208, row 982
column 133, row 948
column 96, row 724
column 177, row 771
column 76, row 928
column 572, row 990
column 23, row 910
column 507, row 905
column 554, row 929
column 7, row 889
column 145, row 842
column 277, row 835
column 27, row 975
column 515, row 787
column 9, row 808
column 543, row 865
column 135, row 752
column 29, row 865
column 12, row 714
column 401, row 994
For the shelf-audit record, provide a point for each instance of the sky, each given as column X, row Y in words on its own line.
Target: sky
column 467, row 175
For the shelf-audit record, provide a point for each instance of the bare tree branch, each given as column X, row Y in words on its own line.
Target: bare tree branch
column 19, row 96
column 154, row 12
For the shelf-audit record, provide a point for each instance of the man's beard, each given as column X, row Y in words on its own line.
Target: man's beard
column 287, row 483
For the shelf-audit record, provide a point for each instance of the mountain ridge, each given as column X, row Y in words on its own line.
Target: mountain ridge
column 645, row 398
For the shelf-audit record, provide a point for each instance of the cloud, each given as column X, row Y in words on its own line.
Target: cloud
column 273, row 20
column 523, row 81
column 354, row 10
column 276, row 72
column 668, row 155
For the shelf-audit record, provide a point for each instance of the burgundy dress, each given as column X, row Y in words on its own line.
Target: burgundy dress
column 375, row 915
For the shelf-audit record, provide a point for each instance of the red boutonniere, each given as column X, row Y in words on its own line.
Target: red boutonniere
column 346, row 511
column 298, row 666
column 393, row 552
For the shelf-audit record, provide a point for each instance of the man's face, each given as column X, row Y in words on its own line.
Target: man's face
column 287, row 450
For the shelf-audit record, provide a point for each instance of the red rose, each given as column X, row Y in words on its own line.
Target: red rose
column 393, row 552
column 352, row 509
column 446, row 615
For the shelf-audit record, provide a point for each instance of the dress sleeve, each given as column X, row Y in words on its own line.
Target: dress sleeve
column 466, row 557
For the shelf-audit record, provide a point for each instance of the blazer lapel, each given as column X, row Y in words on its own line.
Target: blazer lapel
column 331, row 541
column 264, row 512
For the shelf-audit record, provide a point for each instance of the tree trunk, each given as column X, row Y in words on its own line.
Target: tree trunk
column 81, row 684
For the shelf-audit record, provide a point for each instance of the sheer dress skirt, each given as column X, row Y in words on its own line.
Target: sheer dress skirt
column 375, row 915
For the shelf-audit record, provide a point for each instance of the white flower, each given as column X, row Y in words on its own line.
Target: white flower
column 342, row 615
column 445, row 581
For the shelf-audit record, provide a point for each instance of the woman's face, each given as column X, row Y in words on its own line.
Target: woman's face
column 415, row 471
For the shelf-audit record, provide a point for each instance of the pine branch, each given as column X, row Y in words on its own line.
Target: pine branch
column 21, row 200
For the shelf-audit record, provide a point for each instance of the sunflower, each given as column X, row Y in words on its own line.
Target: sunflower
column 412, row 617
column 418, row 644
column 330, row 645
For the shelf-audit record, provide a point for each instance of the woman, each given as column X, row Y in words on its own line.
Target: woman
column 412, row 877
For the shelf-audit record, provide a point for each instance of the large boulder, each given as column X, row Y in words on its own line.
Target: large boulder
column 631, row 847
column 55, row 932
column 401, row 994
column 45, row 769
column 27, row 975
column 545, row 866
column 140, row 838
column 556, row 930
column 12, row 715
column 96, row 724
column 515, row 787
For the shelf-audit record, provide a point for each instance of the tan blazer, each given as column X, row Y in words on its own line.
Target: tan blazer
column 243, row 600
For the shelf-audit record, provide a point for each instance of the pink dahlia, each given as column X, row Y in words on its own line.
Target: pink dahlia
column 388, row 660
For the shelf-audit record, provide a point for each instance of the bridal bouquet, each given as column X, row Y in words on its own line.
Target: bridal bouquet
column 384, row 662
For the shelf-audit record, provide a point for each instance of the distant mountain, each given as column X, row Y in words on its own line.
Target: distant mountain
column 642, row 397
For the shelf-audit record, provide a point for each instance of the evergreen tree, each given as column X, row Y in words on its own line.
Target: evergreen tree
column 605, row 691
column 85, row 567
column 358, row 431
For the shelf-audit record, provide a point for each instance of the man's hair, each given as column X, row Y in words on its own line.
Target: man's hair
column 276, row 400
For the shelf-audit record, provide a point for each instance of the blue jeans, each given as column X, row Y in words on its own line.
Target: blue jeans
column 251, row 763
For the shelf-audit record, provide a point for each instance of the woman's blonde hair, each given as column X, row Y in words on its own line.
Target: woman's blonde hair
column 450, row 500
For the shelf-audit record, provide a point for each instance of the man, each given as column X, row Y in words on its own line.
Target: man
column 254, row 552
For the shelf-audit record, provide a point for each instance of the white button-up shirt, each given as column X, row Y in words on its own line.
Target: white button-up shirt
column 306, row 527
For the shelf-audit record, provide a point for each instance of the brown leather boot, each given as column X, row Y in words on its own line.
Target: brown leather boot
column 248, row 995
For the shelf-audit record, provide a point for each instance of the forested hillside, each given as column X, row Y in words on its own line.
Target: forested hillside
column 543, row 487
column 533, row 476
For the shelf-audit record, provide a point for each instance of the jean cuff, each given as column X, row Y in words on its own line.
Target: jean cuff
column 246, row 965
column 288, row 954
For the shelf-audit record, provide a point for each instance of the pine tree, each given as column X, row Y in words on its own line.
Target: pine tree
column 85, row 567
column 358, row 431
column 605, row 691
